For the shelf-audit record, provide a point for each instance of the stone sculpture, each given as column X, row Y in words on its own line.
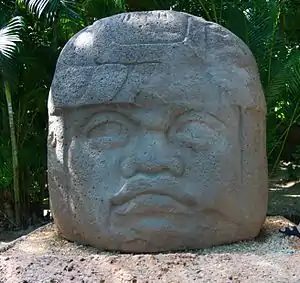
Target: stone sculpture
column 157, row 135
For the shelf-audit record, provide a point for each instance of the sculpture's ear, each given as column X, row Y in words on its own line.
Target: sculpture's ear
column 57, row 176
column 55, row 147
column 254, row 162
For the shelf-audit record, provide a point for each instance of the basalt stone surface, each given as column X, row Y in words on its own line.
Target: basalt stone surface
column 157, row 135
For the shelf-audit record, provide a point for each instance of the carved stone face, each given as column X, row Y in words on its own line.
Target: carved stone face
column 148, row 170
column 163, row 164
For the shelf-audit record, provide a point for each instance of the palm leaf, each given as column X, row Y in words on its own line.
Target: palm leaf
column 9, row 37
column 52, row 8
column 286, row 82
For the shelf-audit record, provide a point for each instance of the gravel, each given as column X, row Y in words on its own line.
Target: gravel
column 42, row 256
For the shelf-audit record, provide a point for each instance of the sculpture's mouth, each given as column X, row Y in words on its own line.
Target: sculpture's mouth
column 159, row 186
column 152, row 205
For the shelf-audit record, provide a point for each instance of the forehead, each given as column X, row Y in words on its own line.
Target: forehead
column 187, row 82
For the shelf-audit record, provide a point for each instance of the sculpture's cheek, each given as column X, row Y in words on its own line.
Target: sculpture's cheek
column 95, row 171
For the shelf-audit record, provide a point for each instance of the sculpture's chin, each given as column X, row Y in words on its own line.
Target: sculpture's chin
column 150, row 227
column 160, row 233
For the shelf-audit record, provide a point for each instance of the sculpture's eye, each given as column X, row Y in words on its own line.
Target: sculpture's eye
column 194, row 134
column 106, row 131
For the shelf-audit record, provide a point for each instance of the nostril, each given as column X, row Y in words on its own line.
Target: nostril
column 130, row 166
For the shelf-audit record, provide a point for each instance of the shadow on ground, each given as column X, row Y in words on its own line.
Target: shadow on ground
column 284, row 194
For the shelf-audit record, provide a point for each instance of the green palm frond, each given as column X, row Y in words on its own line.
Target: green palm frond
column 285, row 84
column 9, row 37
column 51, row 8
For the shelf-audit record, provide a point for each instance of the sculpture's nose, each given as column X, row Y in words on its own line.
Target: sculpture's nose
column 152, row 155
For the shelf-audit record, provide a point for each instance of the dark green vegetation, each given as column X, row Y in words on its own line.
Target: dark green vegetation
column 33, row 32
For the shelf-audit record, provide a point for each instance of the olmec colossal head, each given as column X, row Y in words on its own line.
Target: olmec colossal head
column 157, row 135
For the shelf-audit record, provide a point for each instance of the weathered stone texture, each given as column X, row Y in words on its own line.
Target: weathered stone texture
column 157, row 135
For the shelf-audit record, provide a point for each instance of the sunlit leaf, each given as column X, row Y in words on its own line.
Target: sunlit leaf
column 50, row 8
column 9, row 37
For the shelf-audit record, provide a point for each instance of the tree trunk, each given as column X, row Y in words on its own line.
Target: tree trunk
column 15, row 162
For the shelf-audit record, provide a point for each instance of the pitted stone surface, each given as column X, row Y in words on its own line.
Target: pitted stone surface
column 157, row 135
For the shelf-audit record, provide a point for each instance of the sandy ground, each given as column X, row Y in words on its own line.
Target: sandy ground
column 42, row 256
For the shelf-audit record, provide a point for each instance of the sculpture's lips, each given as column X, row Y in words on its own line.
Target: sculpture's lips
column 160, row 186
column 153, row 206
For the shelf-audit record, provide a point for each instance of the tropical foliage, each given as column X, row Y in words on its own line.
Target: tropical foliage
column 33, row 32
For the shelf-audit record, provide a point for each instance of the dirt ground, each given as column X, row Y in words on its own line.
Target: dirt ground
column 42, row 256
